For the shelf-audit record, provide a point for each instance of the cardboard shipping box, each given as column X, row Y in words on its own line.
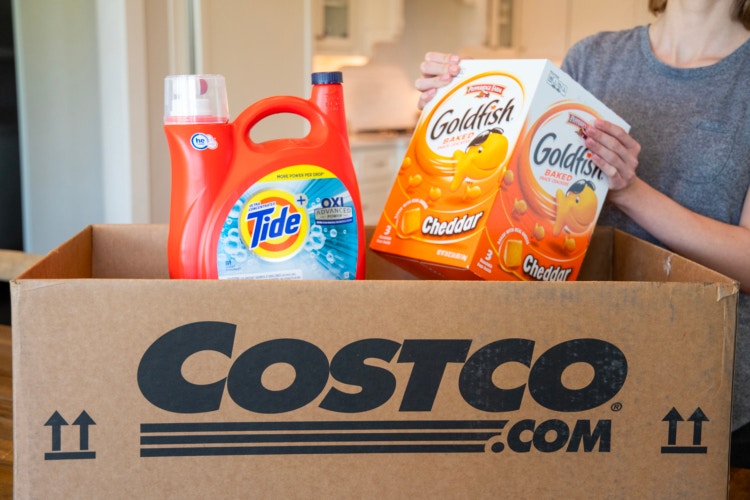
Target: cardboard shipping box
column 129, row 385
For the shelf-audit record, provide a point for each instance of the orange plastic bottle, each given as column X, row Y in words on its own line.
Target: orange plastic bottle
column 282, row 209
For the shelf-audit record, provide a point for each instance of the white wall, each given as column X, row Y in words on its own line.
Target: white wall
column 263, row 49
column 436, row 25
column 81, row 87
column 124, row 110
column 59, row 121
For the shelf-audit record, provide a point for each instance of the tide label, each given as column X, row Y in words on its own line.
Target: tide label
column 298, row 222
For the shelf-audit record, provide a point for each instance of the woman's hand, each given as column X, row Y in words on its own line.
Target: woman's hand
column 614, row 152
column 438, row 70
column 677, row 227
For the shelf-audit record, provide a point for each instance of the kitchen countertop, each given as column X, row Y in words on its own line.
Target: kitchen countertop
column 377, row 138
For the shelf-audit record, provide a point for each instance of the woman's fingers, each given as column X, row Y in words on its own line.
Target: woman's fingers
column 438, row 69
column 614, row 151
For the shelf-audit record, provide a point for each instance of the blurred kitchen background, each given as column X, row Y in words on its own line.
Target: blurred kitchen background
column 81, row 86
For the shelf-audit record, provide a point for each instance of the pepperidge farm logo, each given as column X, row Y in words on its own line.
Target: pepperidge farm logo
column 375, row 367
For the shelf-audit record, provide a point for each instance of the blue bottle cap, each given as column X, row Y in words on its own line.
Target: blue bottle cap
column 327, row 77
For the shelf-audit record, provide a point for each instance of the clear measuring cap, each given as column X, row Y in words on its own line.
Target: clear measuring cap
column 195, row 99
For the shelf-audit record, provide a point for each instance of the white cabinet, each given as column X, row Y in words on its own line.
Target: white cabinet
column 376, row 162
column 352, row 27
column 548, row 28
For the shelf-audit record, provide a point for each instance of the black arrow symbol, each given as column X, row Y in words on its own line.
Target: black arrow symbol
column 698, row 417
column 672, row 417
column 56, row 421
column 84, row 421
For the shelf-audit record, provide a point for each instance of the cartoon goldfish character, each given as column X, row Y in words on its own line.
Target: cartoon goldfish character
column 482, row 157
column 576, row 209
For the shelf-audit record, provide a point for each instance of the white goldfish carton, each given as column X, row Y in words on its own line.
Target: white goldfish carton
column 497, row 182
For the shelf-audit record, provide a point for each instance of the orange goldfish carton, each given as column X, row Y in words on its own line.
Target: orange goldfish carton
column 496, row 182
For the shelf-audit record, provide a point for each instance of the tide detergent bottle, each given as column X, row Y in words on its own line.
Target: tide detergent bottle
column 286, row 208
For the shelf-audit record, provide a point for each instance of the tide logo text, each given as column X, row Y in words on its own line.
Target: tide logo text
column 162, row 383
column 266, row 225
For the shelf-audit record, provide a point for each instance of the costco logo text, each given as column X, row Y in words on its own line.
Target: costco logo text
column 162, row 383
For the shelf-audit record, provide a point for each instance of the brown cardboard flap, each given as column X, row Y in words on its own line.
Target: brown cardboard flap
column 597, row 265
column 104, row 251
column 139, row 251
column 120, row 251
column 71, row 260
column 637, row 260
column 130, row 252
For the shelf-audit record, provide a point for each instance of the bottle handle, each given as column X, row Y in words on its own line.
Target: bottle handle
column 270, row 106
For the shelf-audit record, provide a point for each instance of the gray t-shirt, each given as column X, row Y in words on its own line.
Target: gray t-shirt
column 694, row 129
